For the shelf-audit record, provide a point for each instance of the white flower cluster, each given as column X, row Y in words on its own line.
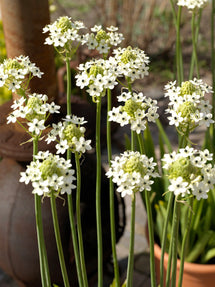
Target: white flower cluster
column 137, row 110
column 70, row 135
column 35, row 110
column 49, row 174
column 190, row 172
column 98, row 76
column 187, row 107
column 63, row 32
column 102, row 40
column 13, row 73
column 132, row 62
column 132, row 172
column 193, row 4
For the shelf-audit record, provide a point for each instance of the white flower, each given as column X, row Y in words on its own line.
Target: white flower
column 63, row 33
column 62, row 147
column 16, row 72
column 133, row 62
column 132, row 172
column 189, row 172
column 178, row 186
column 36, row 126
column 70, row 135
column 193, row 4
column 187, row 107
column 136, row 111
column 49, row 174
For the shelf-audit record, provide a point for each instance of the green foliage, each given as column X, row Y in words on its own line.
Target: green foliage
column 5, row 94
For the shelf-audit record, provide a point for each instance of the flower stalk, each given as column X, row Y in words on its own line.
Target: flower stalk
column 58, row 241
column 78, row 214
column 44, row 268
column 98, row 194
column 111, row 190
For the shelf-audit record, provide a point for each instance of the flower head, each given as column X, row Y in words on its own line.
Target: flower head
column 103, row 40
column 15, row 73
column 190, row 172
column 34, row 109
column 193, row 4
column 137, row 110
column 97, row 76
column 70, row 135
column 133, row 62
column 132, row 171
column 49, row 174
column 63, row 33
column 187, row 107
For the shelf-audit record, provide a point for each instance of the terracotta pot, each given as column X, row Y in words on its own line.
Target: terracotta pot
column 195, row 275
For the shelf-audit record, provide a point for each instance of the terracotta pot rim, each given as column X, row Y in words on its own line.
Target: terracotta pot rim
column 190, row 267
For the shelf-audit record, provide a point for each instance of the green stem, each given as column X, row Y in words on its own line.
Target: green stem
column 150, row 225
column 69, row 196
column 44, row 268
column 69, row 88
column 131, row 246
column 74, row 239
column 78, row 215
column 164, row 238
column 98, row 194
column 58, row 241
column 179, row 59
column 169, row 264
column 184, row 241
column 195, row 34
column 151, row 238
column 111, row 191
column 174, row 238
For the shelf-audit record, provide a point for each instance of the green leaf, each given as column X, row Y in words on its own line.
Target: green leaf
column 208, row 256
column 199, row 246
column 164, row 136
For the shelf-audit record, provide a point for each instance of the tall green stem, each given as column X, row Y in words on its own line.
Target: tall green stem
column 78, row 215
column 69, row 88
column 164, row 238
column 131, row 246
column 44, row 268
column 174, row 238
column 69, row 196
column 179, row 59
column 98, row 194
column 74, row 240
column 111, row 191
column 195, row 33
column 184, row 241
column 150, row 225
column 58, row 241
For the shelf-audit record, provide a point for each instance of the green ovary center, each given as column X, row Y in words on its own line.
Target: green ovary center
column 70, row 132
column 64, row 24
column 101, row 35
column 187, row 109
column 184, row 168
column 187, row 88
column 131, row 107
column 133, row 164
column 48, row 168
column 33, row 104
column 95, row 70
column 13, row 64
column 128, row 56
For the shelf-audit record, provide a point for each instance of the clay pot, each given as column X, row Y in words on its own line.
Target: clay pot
column 195, row 275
